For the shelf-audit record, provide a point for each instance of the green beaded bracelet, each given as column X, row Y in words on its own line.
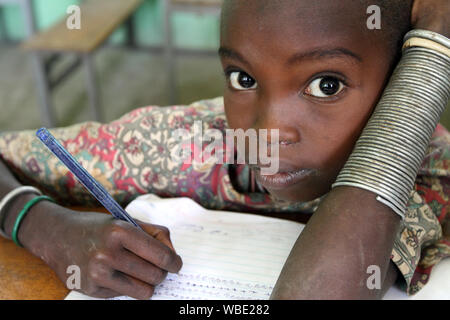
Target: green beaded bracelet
column 22, row 215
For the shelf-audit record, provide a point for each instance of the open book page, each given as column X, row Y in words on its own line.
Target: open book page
column 225, row 255
column 235, row 256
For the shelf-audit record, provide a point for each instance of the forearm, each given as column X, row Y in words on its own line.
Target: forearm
column 352, row 230
column 349, row 232
column 42, row 223
column 7, row 182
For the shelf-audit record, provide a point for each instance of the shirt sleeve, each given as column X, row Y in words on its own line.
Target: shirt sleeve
column 129, row 157
column 134, row 155
column 421, row 242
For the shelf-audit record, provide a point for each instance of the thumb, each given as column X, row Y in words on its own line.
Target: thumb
column 160, row 233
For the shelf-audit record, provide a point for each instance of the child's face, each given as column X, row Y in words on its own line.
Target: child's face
column 311, row 69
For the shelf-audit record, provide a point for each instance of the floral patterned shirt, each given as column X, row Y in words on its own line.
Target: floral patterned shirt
column 132, row 156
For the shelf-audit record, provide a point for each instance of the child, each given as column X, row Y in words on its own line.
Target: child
column 311, row 69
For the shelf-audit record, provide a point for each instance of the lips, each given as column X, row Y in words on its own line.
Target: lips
column 284, row 178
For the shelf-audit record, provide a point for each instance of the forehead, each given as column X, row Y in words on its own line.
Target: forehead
column 297, row 14
column 283, row 24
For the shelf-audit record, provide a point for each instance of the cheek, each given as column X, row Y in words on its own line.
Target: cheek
column 335, row 138
column 335, row 151
column 239, row 112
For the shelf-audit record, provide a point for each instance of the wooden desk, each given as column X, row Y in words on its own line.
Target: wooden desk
column 26, row 277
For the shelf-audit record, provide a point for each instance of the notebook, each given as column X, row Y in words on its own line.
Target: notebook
column 226, row 256
column 235, row 256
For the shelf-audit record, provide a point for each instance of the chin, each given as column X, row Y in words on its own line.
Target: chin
column 297, row 194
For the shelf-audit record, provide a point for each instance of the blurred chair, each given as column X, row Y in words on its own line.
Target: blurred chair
column 170, row 7
column 3, row 33
column 26, row 7
column 99, row 19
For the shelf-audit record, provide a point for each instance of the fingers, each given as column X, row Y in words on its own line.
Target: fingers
column 160, row 233
column 104, row 293
column 130, row 286
column 105, row 280
column 126, row 285
column 431, row 15
column 136, row 267
column 131, row 262
column 159, row 251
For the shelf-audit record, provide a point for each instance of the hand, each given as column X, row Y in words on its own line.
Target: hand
column 114, row 257
column 431, row 15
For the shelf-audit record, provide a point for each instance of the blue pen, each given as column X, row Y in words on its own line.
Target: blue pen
column 94, row 187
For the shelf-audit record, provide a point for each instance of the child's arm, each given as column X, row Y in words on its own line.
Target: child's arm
column 130, row 156
column 351, row 231
column 114, row 258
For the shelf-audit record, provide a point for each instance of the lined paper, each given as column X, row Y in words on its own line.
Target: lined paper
column 226, row 255
column 231, row 256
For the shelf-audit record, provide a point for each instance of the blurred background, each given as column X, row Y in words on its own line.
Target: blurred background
column 127, row 54
column 127, row 43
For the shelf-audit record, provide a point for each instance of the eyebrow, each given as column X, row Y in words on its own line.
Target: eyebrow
column 321, row 53
column 225, row 52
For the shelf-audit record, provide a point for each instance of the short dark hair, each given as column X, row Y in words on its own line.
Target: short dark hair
column 395, row 15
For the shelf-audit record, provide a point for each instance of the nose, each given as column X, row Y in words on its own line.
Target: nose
column 277, row 115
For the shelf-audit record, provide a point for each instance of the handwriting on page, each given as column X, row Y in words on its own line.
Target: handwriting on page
column 225, row 255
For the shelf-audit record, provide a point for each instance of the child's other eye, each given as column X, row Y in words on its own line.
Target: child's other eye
column 240, row 80
column 325, row 87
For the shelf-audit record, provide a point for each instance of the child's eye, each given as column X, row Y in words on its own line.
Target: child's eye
column 240, row 80
column 325, row 87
